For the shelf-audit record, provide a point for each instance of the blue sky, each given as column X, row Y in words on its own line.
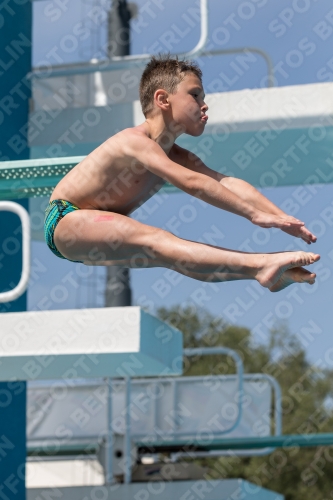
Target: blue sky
column 297, row 36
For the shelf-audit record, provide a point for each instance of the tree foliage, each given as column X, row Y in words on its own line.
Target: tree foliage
column 298, row 473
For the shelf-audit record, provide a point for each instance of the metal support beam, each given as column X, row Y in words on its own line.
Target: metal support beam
column 287, row 441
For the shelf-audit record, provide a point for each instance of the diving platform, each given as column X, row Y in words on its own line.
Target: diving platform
column 87, row 343
column 184, row 490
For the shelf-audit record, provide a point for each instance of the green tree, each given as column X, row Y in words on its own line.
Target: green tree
column 298, row 473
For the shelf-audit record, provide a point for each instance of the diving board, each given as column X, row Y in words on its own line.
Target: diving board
column 32, row 178
column 36, row 178
column 87, row 343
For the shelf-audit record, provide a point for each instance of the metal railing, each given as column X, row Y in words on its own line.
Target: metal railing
column 22, row 285
column 207, row 351
column 175, row 434
column 242, row 451
column 135, row 61
column 122, row 62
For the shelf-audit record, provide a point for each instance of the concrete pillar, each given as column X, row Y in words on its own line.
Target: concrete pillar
column 118, row 291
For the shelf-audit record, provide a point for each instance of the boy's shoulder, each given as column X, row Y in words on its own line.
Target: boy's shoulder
column 137, row 137
column 131, row 135
column 128, row 133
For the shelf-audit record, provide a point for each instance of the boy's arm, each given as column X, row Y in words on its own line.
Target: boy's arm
column 199, row 184
column 248, row 193
column 253, row 196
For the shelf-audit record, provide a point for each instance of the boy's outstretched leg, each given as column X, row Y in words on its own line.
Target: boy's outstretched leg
column 93, row 236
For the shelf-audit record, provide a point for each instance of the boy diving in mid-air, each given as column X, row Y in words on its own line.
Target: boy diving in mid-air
column 88, row 217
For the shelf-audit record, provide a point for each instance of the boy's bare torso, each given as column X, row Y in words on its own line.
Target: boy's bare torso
column 111, row 180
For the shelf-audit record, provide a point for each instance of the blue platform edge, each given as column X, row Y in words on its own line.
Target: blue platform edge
column 165, row 343
column 225, row 489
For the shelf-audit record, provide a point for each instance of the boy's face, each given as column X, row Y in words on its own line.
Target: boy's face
column 188, row 105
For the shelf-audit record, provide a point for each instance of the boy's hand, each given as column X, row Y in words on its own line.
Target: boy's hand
column 286, row 223
column 283, row 222
column 301, row 232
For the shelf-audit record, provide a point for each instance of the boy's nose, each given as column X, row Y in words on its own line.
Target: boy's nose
column 205, row 107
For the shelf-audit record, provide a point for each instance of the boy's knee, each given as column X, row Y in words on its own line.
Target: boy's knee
column 165, row 237
column 157, row 240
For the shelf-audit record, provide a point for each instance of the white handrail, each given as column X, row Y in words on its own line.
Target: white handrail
column 122, row 62
column 140, row 60
column 10, row 206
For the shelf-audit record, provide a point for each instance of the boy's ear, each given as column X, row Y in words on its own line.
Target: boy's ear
column 161, row 98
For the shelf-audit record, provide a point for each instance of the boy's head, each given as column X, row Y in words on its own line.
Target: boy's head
column 164, row 72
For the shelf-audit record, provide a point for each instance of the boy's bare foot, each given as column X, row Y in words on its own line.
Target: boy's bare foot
column 294, row 275
column 271, row 266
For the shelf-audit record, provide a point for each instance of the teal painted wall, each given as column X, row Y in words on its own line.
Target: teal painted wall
column 15, row 63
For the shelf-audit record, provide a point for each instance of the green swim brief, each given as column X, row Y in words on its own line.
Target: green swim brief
column 55, row 211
